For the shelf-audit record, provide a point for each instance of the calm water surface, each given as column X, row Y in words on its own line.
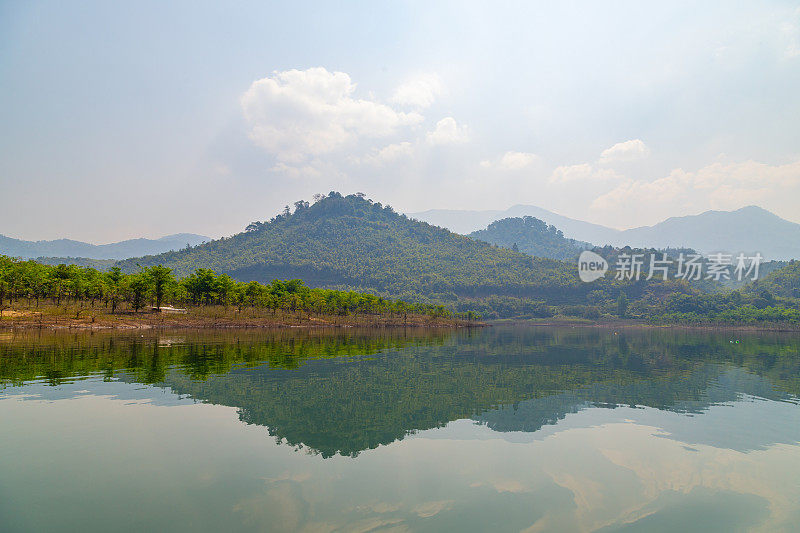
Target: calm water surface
column 501, row 429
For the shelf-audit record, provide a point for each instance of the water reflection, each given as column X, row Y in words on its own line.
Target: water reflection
column 507, row 428
column 342, row 393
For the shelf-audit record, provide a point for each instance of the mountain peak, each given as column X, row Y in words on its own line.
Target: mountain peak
column 351, row 241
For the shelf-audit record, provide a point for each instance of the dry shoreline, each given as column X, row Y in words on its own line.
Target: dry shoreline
column 222, row 318
column 198, row 319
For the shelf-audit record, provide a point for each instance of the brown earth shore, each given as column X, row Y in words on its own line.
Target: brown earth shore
column 211, row 317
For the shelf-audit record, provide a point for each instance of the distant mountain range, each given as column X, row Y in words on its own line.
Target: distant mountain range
column 64, row 248
column 749, row 229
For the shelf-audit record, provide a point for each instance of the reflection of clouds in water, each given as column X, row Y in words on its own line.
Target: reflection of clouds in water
column 428, row 509
column 701, row 510
column 111, row 388
column 711, row 437
column 282, row 506
column 604, row 496
column 619, row 470
column 663, row 465
column 596, row 468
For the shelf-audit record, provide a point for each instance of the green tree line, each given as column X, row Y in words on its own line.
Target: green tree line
column 157, row 285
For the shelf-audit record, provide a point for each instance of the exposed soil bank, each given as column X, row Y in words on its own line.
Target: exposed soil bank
column 209, row 318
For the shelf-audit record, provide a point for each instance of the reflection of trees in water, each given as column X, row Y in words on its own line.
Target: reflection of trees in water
column 307, row 389
column 707, row 385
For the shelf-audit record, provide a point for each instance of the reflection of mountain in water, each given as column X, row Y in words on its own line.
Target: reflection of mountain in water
column 344, row 393
column 332, row 407
column 717, row 385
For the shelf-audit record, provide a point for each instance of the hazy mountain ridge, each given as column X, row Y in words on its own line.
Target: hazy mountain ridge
column 68, row 248
column 749, row 229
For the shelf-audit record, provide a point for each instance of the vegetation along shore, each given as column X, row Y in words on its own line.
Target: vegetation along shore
column 68, row 296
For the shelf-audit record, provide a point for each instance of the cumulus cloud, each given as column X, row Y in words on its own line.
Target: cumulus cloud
column 295, row 114
column 419, row 92
column 512, row 161
column 623, row 152
column 448, row 131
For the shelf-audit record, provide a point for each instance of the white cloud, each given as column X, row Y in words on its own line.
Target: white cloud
column 512, row 161
column 419, row 92
column 295, row 114
column 448, row 131
column 569, row 173
column 716, row 186
column 632, row 150
column 388, row 154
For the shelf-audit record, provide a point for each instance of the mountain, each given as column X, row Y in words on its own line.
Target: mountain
column 67, row 248
column 749, row 229
column 531, row 236
column 468, row 221
column 783, row 281
column 352, row 242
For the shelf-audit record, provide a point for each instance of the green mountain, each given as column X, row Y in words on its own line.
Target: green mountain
column 349, row 241
column 531, row 236
column 784, row 281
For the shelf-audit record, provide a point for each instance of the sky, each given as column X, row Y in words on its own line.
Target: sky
column 129, row 119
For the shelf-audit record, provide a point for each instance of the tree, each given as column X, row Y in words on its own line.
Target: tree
column 201, row 285
column 113, row 280
column 137, row 285
column 224, row 287
column 159, row 276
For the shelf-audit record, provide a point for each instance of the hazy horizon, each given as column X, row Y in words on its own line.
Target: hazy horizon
column 214, row 237
column 126, row 121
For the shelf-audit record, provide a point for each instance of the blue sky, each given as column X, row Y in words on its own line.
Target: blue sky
column 122, row 120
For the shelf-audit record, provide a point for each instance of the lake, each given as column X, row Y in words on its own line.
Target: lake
column 507, row 428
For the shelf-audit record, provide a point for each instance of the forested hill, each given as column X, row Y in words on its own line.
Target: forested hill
column 351, row 241
column 531, row 236
column 784, row 281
